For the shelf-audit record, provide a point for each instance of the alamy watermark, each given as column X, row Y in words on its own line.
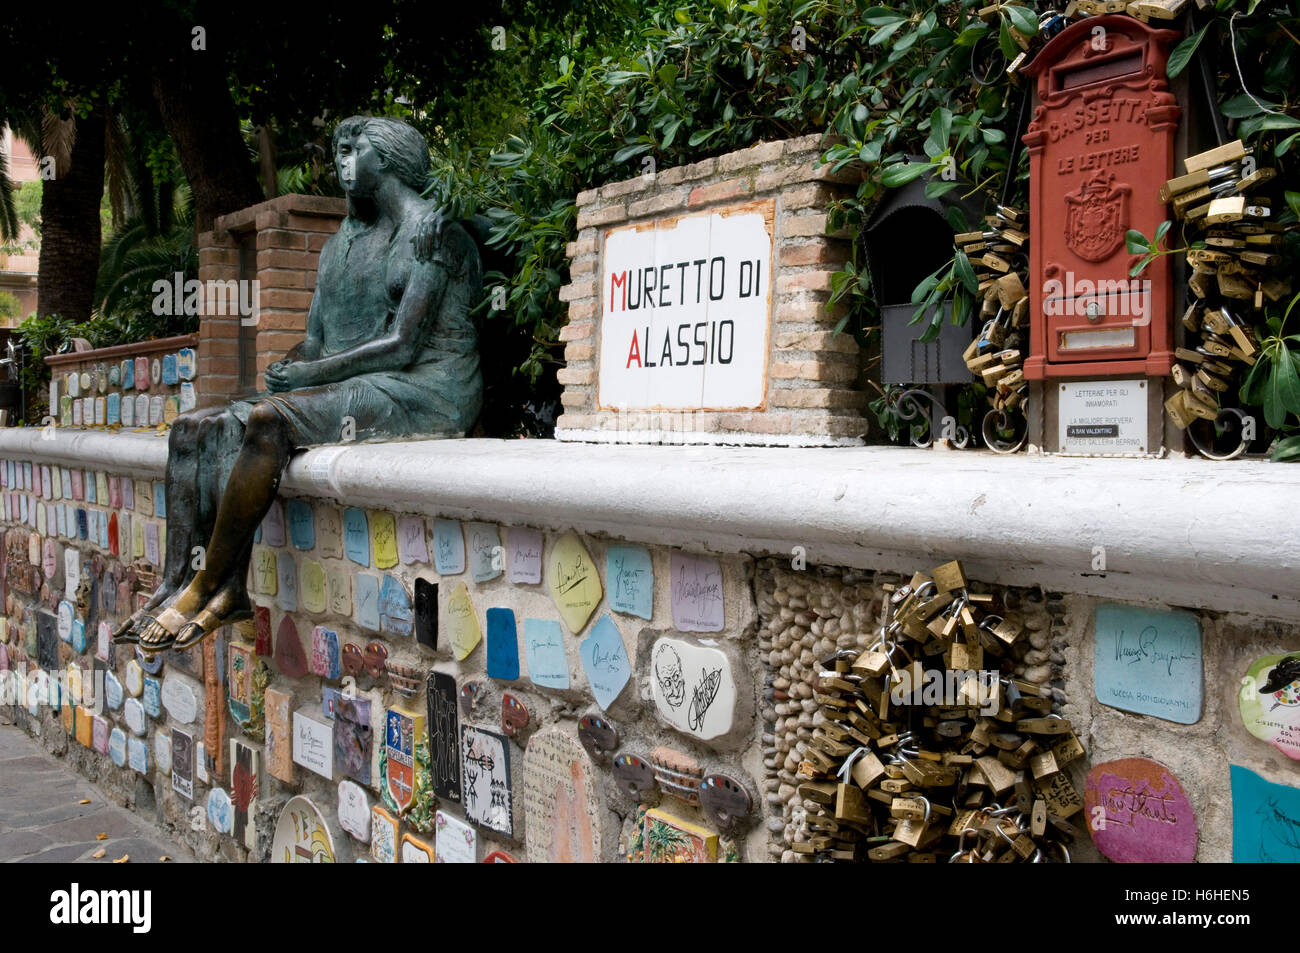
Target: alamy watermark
column 211, row 298
column 951, row 689
column 1094, row 300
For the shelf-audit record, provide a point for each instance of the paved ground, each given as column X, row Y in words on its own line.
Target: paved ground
column 41, row 820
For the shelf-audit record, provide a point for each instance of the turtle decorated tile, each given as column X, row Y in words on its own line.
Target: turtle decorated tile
column 573, row 581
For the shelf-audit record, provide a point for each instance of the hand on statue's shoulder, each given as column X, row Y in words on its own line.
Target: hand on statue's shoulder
column 443, row 241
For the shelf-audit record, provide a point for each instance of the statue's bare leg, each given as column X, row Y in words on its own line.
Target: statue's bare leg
column 249, row 493
column 185, row 523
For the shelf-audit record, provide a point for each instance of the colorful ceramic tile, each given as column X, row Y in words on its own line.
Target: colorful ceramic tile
column 462, row 623
column 524, row 555
column 383, row 539
column 312, row 589
column 426, row 612
column 697, row 595
column 117, row 747
column 84, row 726
column 604, row 659
column 134, row 678
column 239, row 672
column 412, row 546
column 273, row 526
column 290, row 658
column 137, row 755
column 179, row 700
column 163, row 750
column 485, row 553
column 367, row 600
column 693, row 687
column 1265, row 817
column 313, row 744
column 562, row 821
column 444, row 735
column 448, row 548
column 668, row 839
column 302, row 524
column 356, row 536
column 183, row 763
column 395, row 615
column 383, row 836
column 287, row 582
column 456, row 842
column 502, row 645
column 186, row 364
column 1148, row 661
column 279, row 735
column 415, row 851
column 157, row 407
column 338, row 590
column 113, row 693
column 152, row 697
column 133, row 715
column 1269, row 701
column 1138, row 813
column 141, row 373
column 187, row 397
column 221, row 811
column 170, row 377
column 245, row 789
column 485, row 779
column 325, row 653
column 264, row 571
column 630, row 577
column 404, row 774
column 127, row 410
column 354, row 811
column 573, row 581
column 141, row 403
column 544, row 647
column 99, row 734
column 301, row 835
column 353, row 739
column 329, row 532
column 262, row 631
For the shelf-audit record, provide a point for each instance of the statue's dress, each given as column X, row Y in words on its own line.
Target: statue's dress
column 439, row 393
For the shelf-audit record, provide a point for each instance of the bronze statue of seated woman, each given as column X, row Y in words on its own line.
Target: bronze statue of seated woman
column 390, row 352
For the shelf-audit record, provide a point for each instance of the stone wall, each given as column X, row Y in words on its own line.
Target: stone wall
column 812, row 393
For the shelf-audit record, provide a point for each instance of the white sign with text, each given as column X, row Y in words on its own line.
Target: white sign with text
column 685, row 312
column 1103, row 417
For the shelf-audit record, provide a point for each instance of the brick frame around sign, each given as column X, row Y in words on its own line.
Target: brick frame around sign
column 811, row 397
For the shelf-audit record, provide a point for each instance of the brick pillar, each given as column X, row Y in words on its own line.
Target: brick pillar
column 277, row 243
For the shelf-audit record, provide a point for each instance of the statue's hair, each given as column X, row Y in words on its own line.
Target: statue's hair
column 399, row 144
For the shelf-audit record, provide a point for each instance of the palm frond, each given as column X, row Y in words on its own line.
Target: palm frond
column 58, row 136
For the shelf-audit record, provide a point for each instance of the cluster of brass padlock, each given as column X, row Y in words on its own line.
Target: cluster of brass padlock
column 922, row 762
column 1000, row 258
column 1053, row 22
column 1232, row 274
column 1144, row 10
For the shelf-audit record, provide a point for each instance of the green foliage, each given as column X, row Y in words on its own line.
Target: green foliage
column 9, row 306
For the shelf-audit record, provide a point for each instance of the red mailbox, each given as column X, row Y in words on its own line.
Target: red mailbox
column 1100, row 145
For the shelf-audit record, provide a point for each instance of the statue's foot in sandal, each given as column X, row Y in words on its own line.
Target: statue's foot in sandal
column 230, row 604
column 133, row 627
column 158, row 630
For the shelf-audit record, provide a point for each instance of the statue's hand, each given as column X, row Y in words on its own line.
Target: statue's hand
column 428, row 235
column 287, row 375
